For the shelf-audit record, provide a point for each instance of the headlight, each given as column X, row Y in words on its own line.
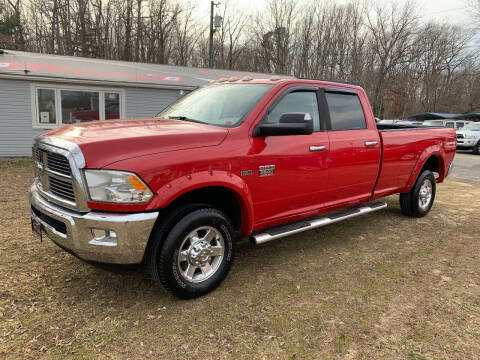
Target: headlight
column 116, row 187
column 469, row 136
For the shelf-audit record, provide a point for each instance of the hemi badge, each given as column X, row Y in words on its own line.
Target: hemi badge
column 246, row 172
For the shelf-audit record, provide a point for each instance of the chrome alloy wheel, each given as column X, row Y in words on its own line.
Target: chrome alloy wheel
column 425, row 194
column 201, row 254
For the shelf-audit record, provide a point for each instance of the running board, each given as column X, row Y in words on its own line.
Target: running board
column 313, row 223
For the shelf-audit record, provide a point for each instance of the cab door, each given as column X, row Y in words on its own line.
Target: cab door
column 291, row 171
column 355, row 148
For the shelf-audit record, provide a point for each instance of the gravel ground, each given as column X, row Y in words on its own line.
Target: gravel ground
column 466, row 167
column 381, row 286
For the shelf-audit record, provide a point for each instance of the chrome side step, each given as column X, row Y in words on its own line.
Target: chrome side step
column 304, row 225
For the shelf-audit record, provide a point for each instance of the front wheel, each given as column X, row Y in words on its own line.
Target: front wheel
column 418, row 201
column 476, row 148
column 196, row 255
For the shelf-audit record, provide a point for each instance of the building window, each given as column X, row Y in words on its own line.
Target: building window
column 56, row 106
column 79, row 106
column 46, row 105
column 112, row 105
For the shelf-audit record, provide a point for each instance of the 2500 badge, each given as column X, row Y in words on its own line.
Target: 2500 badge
column 266, row 170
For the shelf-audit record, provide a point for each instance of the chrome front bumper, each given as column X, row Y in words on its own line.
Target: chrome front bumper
column 127, row 234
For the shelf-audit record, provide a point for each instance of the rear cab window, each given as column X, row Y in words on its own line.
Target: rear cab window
column 346, row 111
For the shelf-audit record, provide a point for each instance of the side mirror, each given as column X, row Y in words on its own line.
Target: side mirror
column 290, row 124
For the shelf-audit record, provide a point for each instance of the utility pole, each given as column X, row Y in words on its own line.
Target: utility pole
column 210, row 51
column 215, row 22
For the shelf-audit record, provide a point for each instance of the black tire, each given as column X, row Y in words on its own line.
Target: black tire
column 163, row 254
column 476, row 148
column 409, row 202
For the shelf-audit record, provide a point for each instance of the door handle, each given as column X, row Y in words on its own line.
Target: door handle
column 370, row 143
column 317, row 148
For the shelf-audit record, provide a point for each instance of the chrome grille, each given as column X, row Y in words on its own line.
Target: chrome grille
column 54, row 174
column 58, row 163
column 61, row 188
column 38, row 155
column 58, row 166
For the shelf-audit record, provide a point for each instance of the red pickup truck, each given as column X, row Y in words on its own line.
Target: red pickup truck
column 256, row 158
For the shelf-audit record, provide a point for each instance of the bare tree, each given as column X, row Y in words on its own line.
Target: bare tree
column 392, row 31
column 11, row 23
column 273, row 29
column 474, row 8
column 229, row 41
column 407, row 65
column 186, row 32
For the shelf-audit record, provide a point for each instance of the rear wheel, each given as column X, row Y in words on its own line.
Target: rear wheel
column 418, row 201
column 196, row 255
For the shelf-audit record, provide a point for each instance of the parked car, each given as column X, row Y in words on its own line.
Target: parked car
column 257, row 158
column 112, row 111
column 469, row 138
column 454, row 124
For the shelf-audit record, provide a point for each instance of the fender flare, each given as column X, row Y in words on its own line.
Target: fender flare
column 172, row 190
column 434, row 150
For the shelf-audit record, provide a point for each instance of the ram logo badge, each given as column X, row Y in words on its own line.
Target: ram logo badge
column 266, row 170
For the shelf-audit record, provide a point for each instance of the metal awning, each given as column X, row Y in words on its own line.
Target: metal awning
column 473, row 116
column 432, row 116
column 45, row 67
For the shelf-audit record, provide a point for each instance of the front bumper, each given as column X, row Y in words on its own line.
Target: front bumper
column 127, row 234
column 466, row 143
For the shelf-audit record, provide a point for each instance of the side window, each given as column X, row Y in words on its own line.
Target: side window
column 346, row 112
column 46, row 110
column 299, row 101
column 450, row 125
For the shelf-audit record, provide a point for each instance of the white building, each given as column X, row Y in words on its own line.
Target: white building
column 39, row 92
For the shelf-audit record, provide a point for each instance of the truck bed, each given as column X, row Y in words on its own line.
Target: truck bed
column 404, row 146
column 391, row 127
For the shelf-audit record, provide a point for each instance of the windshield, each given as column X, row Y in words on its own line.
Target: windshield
column 224, row 105
column 433, row 123
column 472, row 127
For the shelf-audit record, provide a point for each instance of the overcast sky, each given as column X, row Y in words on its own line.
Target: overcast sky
column 453, row 11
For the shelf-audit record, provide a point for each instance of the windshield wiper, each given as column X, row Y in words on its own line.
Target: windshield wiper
column 185, row 118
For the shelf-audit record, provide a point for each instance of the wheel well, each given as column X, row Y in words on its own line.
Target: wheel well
column 432, row 164
column 218, row 197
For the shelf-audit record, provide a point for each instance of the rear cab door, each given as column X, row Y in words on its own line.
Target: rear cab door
column 355, row 148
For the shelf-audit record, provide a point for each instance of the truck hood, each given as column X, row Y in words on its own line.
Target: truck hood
column 105, row 142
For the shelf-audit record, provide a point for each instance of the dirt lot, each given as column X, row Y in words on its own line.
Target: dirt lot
column 381, row 286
